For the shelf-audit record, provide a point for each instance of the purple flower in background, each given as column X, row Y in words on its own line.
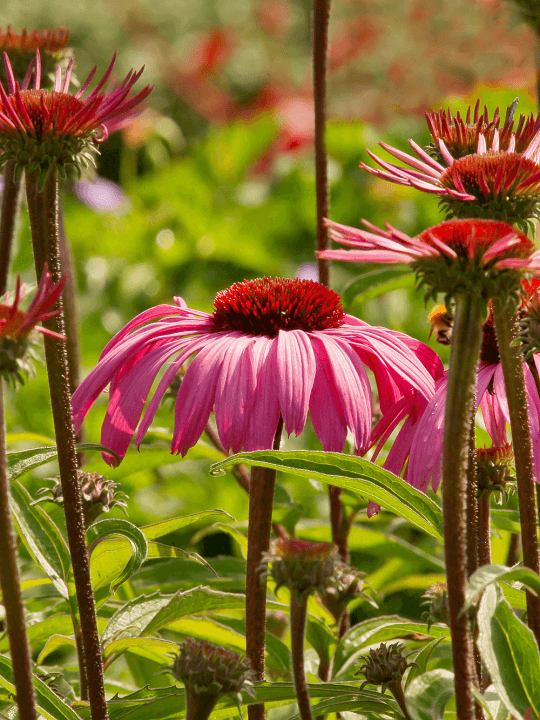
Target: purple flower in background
column 272, row 347
column 102, row 196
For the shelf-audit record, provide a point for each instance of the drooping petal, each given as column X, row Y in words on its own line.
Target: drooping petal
column 265, row 412
column 296, row 368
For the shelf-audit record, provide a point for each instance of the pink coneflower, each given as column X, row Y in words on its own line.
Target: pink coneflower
column 41, row 128
column 465, row 136
column 271, row 348
column 17, row 326
column 449, row 257
column 491, row 182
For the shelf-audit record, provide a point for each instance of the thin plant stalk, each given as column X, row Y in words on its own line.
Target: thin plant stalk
column 536, row 377
column 472, row 505
column 505, row 321
column 11, row 589
column 261, row 501
column 514, row 549
column 465, row 351
column 43, row 206
column 9, row 216
column 71, row 306
column 199, row 706
column 298, row 629
column 484, row 531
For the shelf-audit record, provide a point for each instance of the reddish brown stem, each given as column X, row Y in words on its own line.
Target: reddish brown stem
column 484, row 531
column 261, row 501
column 321, row 20
column 460, row 396
column 505, row 319
column 298, row 629
column 11, row 590
column 43, row 211
column 11, row 203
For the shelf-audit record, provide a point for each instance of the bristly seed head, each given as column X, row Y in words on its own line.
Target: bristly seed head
column 267, row 305
column 506, row 186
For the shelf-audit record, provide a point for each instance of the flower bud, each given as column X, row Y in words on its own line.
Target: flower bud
column 303, row 567
column 98, row 494
column 209, row 671
column 345, row 584
column 436, row 604
column 384, row 665
column 494, row 470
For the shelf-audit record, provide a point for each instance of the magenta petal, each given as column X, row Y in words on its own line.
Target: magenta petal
column 127, row 400
column 196, row 395
column 325, row 409
column 426, row 449
column 265, row 412
column 296, row 367
column 235, row 392
column 373, row 509
column 494, row 418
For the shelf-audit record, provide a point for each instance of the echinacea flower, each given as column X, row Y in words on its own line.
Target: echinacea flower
column 453, row 257
column 53, row 128
column 489, row 183
column 21, row 47
column 18, row 327
column 465, row 136
column 272, row 348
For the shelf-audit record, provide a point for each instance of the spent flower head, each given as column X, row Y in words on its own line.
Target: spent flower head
column 98, row 495
column 19, row 328
column 455, row 257
column 21, row 49
column 40, row 128
column 301, row 566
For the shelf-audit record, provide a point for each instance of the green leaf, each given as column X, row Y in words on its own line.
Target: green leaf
column 510, row 653
column 49, row 704
column 149, row 648
column 372, row 283
column 158, row 550
column 428, row 694
column 41, row 537
column 134, row 615
column 488, row 574
column 423, row 658
column 190, row 602
column 351, row 473
column 52, row 644
column 22, row 461
column 152, row 532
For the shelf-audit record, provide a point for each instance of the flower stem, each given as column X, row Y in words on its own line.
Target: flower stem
column 472, row 505
column 514, row 549
column 484, row 531
column 43, row 211
column 199, row 706
column 505, row 320
column 11, row 589
column 396, row 689
column 71, row 310
column 298, row 628
column 466, row 338
column 11, row 203
column 321, row 20
column 261, row 501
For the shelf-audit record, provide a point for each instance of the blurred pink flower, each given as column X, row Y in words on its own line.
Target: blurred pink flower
column 271, row 348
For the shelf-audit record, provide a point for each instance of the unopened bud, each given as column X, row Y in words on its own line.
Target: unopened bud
column 303, row 567
column 385, row 665
column 344, row 585
column 494, row 470
column 436, row 604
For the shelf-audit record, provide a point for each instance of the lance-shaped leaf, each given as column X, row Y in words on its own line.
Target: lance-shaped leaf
column 350, row 473
column 488, row 574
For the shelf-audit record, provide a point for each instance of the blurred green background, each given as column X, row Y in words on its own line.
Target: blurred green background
column 217, row 185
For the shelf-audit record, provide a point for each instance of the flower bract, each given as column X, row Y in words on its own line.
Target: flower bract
column 272, row 348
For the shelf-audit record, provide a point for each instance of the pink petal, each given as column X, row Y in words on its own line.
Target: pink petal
column 296, row 368
column 265, row 411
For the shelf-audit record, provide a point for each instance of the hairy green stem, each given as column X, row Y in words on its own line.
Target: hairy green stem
column 43, row 208
column 298, row 629
column 484, row 531
column 11, row 589
column 505, row 320
column 11, row 203
column 466, row 339
column 472, row 504
column 261, row 501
